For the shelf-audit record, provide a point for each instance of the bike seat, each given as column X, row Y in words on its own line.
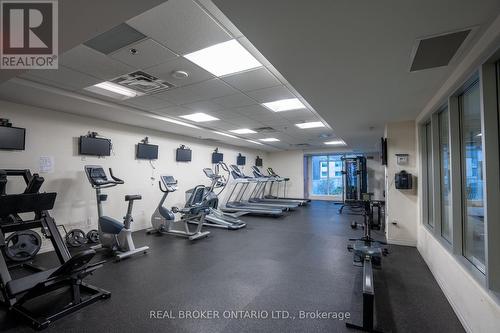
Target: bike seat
column 132, row 197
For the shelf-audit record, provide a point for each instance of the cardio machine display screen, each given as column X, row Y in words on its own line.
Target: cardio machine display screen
column 168, row 180
column 147, row 152
column 12, row 138
column 94, row 146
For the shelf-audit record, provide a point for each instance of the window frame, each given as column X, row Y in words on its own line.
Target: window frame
column 488, row 75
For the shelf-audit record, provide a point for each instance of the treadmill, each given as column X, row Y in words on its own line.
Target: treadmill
column 260, row 193
column 252, row 197
column 278, row 180
column 234, row 202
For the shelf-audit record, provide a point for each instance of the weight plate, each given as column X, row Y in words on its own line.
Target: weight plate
column 76, row 238
column 93, row 236
column 22, row 245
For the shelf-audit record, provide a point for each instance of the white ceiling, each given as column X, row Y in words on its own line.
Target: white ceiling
column 350, row 59
column 348, row 62
column 172, row 29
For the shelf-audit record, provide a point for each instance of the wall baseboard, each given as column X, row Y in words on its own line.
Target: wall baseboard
column 403, row 242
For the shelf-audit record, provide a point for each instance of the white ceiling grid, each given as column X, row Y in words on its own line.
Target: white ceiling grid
column 174, row 28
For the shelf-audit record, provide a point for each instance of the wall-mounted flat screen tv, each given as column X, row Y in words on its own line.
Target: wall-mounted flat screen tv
column 384, row 151
column 217, row 157
column 147, row 151
column 241, row 160
column 12, row 138
column 258, row 162
column 183, row 155
column 94, row 146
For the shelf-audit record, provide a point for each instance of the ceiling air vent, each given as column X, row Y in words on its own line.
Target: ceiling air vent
column 436, row 51
column 265, row 130
column 302, row 145
column 143, row 82
column 114, row 39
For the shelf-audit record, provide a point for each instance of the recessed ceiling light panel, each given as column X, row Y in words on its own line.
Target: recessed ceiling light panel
column 243, row 131
column 336, row 143
column 225, row 134
column 284, row 105
column 311, row 124
column 113, row 90
column 252, row 141
column 269, row 140
column 224, row 58
column 199, row 117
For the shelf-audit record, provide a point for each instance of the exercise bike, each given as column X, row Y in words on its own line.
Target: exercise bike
column 195, row 210
column 113, row 234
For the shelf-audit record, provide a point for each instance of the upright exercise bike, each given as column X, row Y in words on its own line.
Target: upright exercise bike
column 113, row 234
column 196, row 209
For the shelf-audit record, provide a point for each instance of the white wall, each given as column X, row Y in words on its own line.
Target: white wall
column 51, row 133
column 289, row 164
column 477, row 308
column 401, row 205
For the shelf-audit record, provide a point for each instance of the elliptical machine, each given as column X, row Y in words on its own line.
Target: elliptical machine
column 217, row 218
column 195, row 211
column 113, row 234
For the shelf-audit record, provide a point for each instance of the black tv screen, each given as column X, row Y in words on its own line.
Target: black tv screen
column 384, row 151
column 258, row 162
column 217, row 157
column 12, row 138
column 94, row 146
column 183, row 155
column 147, row 151
column 241, row 160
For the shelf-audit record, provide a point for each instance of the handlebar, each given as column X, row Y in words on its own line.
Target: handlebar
column 116, row 179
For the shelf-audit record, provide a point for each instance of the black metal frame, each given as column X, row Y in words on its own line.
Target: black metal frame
column 69, row 274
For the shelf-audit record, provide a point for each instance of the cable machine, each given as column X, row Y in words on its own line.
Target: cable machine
column 355, row 182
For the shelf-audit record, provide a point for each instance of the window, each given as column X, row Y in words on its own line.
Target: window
column 444, row 169
column 326, row 175
column 430, row 196
column 472, row 176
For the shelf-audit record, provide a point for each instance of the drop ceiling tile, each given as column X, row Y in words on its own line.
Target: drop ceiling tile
column 197, row 92
column 252, row 80
column 172, row 111
column 181, row 25
column 89, row 61
column 232, row 101
column 250, row 110
column 148, row 103
column 270, row 94
column 165, row 70
column 62, row 77
column 203, row 106
column 114, row 39
column 149, row 53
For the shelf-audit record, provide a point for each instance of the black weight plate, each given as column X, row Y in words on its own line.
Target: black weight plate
column 76, row 238
column 22, row 245
column 93, row 236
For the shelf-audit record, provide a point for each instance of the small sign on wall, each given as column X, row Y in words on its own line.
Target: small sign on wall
column 46, row 164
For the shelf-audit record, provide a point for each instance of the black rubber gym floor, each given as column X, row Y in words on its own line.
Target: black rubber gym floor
column 296, row 263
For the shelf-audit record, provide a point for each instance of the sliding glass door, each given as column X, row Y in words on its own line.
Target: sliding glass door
column 326, row 177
